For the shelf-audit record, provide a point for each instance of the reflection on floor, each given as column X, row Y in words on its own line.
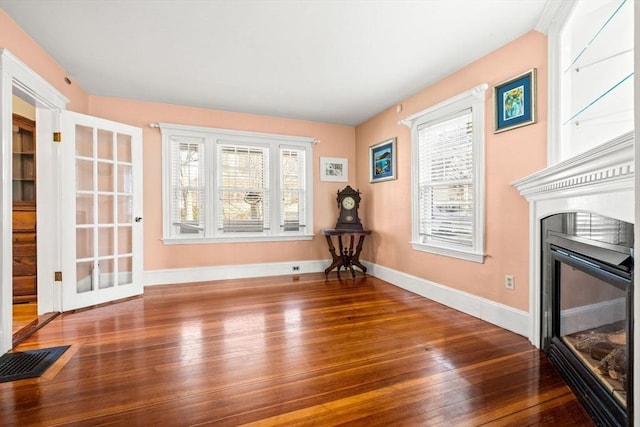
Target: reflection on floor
column 26, row 321
column 23, row 315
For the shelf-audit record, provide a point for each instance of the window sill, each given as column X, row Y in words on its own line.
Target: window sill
column 449, row 252
column 235, row 239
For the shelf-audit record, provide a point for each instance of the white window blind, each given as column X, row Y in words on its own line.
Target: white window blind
column 292, row 189
column 447, row 148
column 187, row 201
column 243, row 202
column 446, row 181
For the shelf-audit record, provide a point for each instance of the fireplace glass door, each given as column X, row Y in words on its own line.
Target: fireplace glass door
column 591, row 314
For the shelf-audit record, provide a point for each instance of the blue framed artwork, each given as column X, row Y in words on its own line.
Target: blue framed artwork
column 515, row 102
column 382, row 161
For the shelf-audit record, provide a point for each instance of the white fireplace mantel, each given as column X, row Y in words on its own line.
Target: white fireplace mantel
column 598, row 181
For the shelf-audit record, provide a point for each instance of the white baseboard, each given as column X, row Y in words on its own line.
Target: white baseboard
column 225, row 272
column 501, row 315
column 498, row 314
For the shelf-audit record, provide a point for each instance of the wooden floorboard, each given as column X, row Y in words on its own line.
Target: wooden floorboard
column 26, row 321
column 23, row 314
column 291, row 351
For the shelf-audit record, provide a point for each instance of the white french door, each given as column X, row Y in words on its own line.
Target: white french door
column 101, row 198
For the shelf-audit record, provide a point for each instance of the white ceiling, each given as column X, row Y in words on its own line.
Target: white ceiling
column 335, row 61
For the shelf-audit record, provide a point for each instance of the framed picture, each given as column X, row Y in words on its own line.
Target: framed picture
column 382, row 161
column 515, row 102
column 334, row 169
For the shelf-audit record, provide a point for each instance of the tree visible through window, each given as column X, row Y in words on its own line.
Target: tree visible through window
column 293, row 212
column 243, row 190
column 226, row 185
column 187, row 189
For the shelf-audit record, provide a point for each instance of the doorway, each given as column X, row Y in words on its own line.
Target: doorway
column 18, row 81
column 24, row 236
column 107, row 158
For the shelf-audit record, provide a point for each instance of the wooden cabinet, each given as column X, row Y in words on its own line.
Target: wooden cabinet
column 24, row 161
column 24, row 210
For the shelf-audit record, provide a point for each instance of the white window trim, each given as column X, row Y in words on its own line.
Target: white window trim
column 561, row 13
column 212, row 137
column 474, row 99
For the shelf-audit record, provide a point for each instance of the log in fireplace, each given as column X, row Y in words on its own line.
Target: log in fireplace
column 587, row 298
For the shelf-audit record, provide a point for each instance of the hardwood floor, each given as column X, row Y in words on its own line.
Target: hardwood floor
column 23, row 314
column 287, row 351
column 26, row 320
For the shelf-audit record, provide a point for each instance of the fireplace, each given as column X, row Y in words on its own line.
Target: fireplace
column 587, row 298
column 583, row 207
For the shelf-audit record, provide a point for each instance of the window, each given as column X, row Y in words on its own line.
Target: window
column 447, row 142
column 225, row 185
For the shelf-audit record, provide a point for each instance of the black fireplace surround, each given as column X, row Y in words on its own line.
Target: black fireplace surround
column 587, row 298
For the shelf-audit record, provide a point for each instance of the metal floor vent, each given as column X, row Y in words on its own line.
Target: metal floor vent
column 29, row 363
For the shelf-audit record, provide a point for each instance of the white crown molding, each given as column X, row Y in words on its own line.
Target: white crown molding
column 550, row 14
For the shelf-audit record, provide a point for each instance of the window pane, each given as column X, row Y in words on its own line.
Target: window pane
column 447, row 214
column 106, row 271
column 292, row 200
column 84, row 141
column 446, row 149
column 243, row 189
column 124, row 148
column 125, row 268
column 187, row 207
column 84, row 209
column 105, row 176
column 105, row 208
column 105, row 144
column 84, row 175
column 446, row 188
column 84, row 277
column 223, row 184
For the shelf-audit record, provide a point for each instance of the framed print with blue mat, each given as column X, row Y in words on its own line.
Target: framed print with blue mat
column 382, row 161
column 515, row 102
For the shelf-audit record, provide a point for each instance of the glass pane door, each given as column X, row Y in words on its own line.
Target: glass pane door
column 107, row 187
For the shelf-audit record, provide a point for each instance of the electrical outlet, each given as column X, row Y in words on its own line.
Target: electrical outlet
column 296, row 268
column 509, row 282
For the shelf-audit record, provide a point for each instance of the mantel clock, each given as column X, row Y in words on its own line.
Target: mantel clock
column 348, row 204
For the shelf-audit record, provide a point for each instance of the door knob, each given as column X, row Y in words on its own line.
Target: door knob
column 138, row 219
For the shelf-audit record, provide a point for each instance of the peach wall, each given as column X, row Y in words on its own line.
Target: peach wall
column 508, row 156
column 335, row 141
column 385, row 206
column 20, row 44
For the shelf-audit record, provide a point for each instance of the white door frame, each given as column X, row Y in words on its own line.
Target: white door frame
column 17, row 76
